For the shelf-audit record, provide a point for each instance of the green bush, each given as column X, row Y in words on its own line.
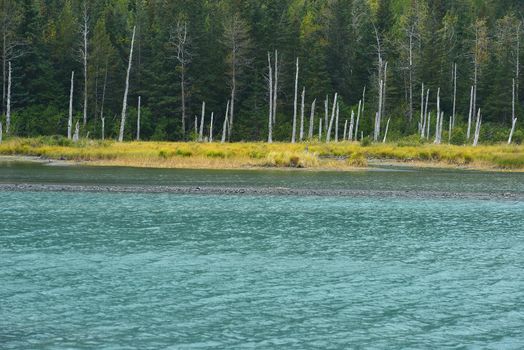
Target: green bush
column 458, row 136
column 366, row 142
column 411, row 141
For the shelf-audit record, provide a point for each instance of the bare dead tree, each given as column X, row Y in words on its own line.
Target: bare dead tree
column 333, row 111
column 344, row 136
column 270, row 117
column 102, row 117
column 477, row 129
column 358, row 119
column 312, row 120
column 319, row 129
column 454, row 96
column 351, row 126
column 84, row 53
column 513, row 116
column 126, row 91
column 471, row 111
column 13, row 47
column 202, row 116
column 76, row 135
column 224, row 128
column 337, row 122
column 238, row 43
column 386, row 132
column 421, row 123
column 275, row 88
column 294, row 132
column 480, row 54
column 8, row 109
column 70, row 120
column 181, row 42
column 211, row 127
column 326, row 113
column 302, row 114
column 138, row 119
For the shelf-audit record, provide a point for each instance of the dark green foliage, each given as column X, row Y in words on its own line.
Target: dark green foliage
column 335, row 41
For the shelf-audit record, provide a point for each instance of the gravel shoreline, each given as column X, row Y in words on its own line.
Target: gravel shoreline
column 257, row 191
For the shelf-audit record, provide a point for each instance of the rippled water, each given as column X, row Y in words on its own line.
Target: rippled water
column 154, row 271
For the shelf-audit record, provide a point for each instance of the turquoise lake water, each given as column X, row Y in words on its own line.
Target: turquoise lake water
column 159, row 271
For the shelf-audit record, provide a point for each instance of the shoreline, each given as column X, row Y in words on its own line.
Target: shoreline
column 372, row 165
column 257, row 191
column 341, row 156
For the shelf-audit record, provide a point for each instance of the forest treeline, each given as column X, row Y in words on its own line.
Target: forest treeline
column 387, row 56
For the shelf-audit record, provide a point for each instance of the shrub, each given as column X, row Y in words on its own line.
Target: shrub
column 165, row 154
column 216, row 154
column 458, row 136
column 411, row 141
column 357, row 160
column 183, row 153
column 366, row 142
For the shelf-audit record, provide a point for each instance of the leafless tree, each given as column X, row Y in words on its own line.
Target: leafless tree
column 12, row 46
column 70, row 120
column 84, row 29
column 181, row 42
column 126, row 91
column 238, row 43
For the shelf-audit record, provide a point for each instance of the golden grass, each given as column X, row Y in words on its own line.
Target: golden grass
column 343, row 155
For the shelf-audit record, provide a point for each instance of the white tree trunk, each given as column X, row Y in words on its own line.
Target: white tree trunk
column 76, row 136
column 351, row 126
column 302, row 114
column 333, row 111
column 70, row 120
column 437, row 131
column 376, row 134
column 138, row 119
column 384, row 88
column 454, row 96
column 293, row 136
column 428, row 126
column 211, row 127
column 85, row 33
column 312, row 120
column 477, row 129
column 196, row 127
column 450, row 129
column 425, row 126
column 386, row 132
column 126, row 91
column 358, row 119
column 326, row 113
column 513, row 125
column 337, row 122
column 271, row 101
column 8, row 110
column 421, row 123
column 103, row 119
column 363, row 102
column 224, row 128
column 202, row 118
column 513, row 116
column 319, row 129
column 345, row 130
column 468, row 134
column 275, row 89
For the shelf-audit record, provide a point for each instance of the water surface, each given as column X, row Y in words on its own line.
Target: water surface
column 153, row 271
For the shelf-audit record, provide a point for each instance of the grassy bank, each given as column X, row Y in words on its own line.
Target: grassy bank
column 253, row 155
